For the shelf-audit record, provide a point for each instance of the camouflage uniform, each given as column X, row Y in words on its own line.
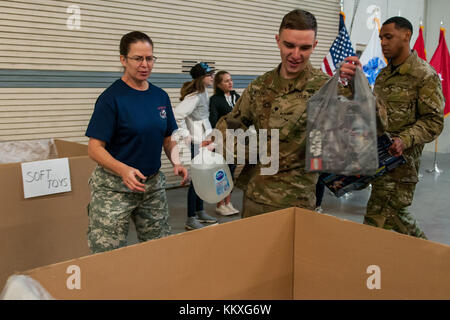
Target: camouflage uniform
column 112, row 204
column 414, row 101
column 271, row 102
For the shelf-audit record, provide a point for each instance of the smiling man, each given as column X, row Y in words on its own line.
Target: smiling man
column 414, row 102
column 296, row 45
column 278, row 100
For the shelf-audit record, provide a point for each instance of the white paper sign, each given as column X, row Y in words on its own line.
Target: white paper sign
column 46, row 177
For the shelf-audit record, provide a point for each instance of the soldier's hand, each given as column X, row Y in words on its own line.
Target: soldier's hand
column 397, row 147
column 348, row 69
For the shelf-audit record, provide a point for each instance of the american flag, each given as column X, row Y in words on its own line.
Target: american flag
column 340, row 49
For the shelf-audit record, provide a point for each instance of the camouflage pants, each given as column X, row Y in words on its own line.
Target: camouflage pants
column 387, row 207
column 113, row 204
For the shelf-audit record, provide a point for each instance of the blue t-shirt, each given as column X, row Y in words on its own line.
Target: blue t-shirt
column 133, row 124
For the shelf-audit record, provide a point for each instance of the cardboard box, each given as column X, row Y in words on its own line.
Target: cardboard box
column 288, row 254
column 47, row 229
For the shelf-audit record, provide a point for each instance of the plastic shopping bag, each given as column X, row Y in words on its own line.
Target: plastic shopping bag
column 341, row 132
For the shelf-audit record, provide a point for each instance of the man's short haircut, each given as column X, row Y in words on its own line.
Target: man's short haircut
column 299, row 19
column 400, row 23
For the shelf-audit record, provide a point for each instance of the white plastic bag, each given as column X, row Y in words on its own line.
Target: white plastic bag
column 21, row 287
column 30, row 150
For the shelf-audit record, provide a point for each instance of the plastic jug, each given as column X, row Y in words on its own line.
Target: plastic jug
column 211, row 176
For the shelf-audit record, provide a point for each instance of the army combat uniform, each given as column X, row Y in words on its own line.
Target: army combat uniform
column 271, row 102
column 414, row 101
column 113, row 204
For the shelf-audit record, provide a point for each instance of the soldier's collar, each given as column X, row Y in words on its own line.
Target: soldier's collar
column 297, row 83
column 406, row 66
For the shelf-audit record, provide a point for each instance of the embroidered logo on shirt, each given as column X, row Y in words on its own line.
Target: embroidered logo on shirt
column 162, row 112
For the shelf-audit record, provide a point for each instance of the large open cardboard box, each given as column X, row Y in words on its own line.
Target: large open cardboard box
column 47, row 229
column 288, row 254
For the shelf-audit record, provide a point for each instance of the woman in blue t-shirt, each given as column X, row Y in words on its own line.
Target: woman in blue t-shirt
column 131, row 123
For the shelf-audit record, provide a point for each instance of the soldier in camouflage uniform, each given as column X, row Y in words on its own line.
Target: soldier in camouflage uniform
column 412, row 91
column 278, row 100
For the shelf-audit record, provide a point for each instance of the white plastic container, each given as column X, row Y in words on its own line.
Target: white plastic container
column 211, row 176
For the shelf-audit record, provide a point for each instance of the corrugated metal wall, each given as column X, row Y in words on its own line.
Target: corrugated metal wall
column 51, row 75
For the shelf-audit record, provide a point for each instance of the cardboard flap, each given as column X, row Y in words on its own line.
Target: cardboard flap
column 249, row 259
column 42, row 230
column 338, row 259
column 70, row 149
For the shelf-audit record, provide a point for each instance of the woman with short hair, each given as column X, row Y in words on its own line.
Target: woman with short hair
column 132, row 121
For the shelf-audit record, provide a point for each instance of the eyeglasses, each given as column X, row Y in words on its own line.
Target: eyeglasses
column 139, row 59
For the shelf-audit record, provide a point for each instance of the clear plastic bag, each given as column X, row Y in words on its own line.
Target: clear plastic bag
column 341, row 133
column 30, row 150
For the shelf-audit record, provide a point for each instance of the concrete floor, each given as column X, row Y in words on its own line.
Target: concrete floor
column 430, row 207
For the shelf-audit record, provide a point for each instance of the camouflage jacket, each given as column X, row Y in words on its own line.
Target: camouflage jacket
column 271, row 102
column 414, row 103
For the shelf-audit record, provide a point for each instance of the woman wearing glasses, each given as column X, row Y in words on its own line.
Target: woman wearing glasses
column 132, row 121
column 192, row 115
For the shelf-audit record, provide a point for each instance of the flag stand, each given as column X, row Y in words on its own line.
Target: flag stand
column 435, row 168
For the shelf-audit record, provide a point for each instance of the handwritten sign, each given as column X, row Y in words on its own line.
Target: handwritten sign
column 46, row 177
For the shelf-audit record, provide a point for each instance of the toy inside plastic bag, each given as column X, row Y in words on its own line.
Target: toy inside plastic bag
column 341, row 132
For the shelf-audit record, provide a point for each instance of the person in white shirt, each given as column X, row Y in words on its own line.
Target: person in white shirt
column 192, row 115
column 220, row 104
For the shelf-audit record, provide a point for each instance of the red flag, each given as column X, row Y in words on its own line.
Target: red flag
column 419, row 46
column 441, row 62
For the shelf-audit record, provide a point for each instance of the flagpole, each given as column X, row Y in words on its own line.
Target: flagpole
column 355, row 8
column 435, row 168
column 439, row 62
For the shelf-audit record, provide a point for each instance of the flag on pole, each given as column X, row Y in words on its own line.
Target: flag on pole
column 372, row 59
column 419, row 46
column 340, row 49
column 441, row 62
